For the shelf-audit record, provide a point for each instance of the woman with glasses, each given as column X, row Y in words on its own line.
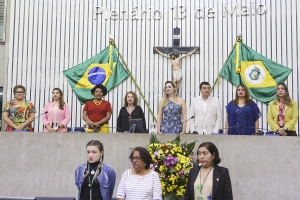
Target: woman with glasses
column 18, row 113
column 208, row 180
column 140, row 182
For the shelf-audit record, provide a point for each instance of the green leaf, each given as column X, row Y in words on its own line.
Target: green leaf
column 176, row 140
column 170, row 196
column 191, row 146
column 153, row 139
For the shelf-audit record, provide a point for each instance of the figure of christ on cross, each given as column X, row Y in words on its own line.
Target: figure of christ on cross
column 175, row 59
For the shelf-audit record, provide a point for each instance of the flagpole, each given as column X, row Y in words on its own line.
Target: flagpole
column 132, row 78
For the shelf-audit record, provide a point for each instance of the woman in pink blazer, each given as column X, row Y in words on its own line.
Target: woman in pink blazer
column 58, row 113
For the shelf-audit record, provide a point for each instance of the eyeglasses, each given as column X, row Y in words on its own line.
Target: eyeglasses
column 19, row 92
column 137, row 158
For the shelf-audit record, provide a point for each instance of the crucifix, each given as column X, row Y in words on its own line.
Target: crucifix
column 173, row 52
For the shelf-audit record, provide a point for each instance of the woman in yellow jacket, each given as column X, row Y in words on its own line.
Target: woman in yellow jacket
column 283, row 112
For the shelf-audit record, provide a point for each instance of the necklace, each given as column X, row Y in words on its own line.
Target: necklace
column 201, row 185
column 93, row 170
column 97, row 103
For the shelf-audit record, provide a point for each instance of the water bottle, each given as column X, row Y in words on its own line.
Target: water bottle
column 153, row 128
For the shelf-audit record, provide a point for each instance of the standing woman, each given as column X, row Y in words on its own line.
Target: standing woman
column 95, row 180
column 242, row 114
column 57, row 113
column 130, row 111
column 18, row 113
column 171, row 112
column 208, row 181
column 283, row 112
column 140, row 182
column 97, row 112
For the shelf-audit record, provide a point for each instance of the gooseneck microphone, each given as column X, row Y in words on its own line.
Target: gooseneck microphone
column 41, row 114
column 192, row 117
column 260, row 130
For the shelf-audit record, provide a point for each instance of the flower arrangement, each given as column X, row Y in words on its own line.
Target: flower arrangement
column 172, row 162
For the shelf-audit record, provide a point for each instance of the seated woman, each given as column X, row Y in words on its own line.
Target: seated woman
column 171, row 118
column 18, row 113
column 283, row 112
column 97, row 112
column 140, row 182
column 58, row 113
column 130, row 111
column 242, row 114
column 208, row 181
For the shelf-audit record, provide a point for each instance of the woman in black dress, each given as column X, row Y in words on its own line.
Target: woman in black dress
column 130, row 111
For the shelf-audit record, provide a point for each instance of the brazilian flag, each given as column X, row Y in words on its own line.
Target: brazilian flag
column 103, row 68
column 258, row 73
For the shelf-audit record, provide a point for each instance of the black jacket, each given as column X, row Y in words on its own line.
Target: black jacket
column 221, row 184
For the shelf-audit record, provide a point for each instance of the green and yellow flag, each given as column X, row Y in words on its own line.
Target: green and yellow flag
column 103, row 68
column 258, row 73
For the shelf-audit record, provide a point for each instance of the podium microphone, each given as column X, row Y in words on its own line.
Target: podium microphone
column 41, row 114
column 192, row 117
column 132, row 128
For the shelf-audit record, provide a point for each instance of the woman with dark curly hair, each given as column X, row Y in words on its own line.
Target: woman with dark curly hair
column 18, row 113
column 97, row 112
column 208, row 181
column 131, row 110
column 140, row 182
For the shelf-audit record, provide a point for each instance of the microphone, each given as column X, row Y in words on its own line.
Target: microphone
column 192, row 117
column 132, row 128
column 41, row 114
column 260, row 130
column 239, row 126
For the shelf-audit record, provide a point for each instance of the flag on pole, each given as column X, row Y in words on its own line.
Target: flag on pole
column 103, row 68
column 258, row 73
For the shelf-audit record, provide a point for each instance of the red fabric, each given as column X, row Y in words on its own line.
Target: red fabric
column 280, row 118
column 97, row 112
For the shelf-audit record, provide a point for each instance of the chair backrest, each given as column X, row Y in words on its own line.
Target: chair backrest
column 81, row 129
column 55, row 198
column 17, row 198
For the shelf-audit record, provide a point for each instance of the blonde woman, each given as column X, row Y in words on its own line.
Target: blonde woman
column 171, row 117
column 283, row 112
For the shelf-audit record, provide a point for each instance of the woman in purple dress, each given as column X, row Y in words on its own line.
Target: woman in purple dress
column 242, row 114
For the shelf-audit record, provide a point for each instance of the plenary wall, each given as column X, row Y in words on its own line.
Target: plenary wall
column 47, row 37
